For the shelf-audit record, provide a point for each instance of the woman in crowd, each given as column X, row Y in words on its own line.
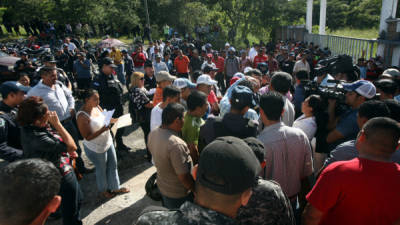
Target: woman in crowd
column 39, row 140
column 313, row 122
column 98, row 144
column 140, row 105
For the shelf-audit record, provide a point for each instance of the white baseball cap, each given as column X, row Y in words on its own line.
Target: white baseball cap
column 206, row 79
column 362, row 87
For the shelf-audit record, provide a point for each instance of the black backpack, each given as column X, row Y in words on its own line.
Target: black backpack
column 152, row 189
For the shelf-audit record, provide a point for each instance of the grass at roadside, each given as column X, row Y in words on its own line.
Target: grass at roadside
column 371, row 33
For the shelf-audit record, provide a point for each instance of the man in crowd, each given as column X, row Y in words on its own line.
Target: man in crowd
column 195, row 62
column 181, row 64
column 219, row 62
column 273, row 64
column 232, row 66
column 288, row 64
column 170, row 95
column 281, row 83
column 110, row 92
column 18, row 204
column 346, row 127
column 288, row 151
column 10, row 142
column 138, row 58
column 172, row 158
column 24, row 65
column 233, row 123
column 59, row 98
column 159, row 65
column 50, row 61
column 386, row 88
column 117, row 56
column 347, row 150
column 186, row 87
column 224, row 178
column 149, row 78
column 268, row 204
column 128, row 66
column 302, row 64
column 260, row 57
column 82, row 69
column 372, row 172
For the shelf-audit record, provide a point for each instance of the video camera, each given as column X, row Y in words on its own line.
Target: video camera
column 334, row 92
column 334, row 65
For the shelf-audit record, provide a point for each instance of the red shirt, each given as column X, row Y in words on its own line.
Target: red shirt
column 358, row 192
column 139, row 61
column 219, row 63
column 258, row 59
column 182, row 65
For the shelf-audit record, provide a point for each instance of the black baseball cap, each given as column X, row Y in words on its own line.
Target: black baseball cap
column 109, row 62
column 243, row 96
column 232, row 162
column 208, row 69
column 12, row 86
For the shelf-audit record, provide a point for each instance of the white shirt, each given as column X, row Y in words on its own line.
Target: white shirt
column 325, row 83
column 252, row 53
column 307, row 124
column 155, row 118
column 71, row 46
column 299, row 65
column 205, row 63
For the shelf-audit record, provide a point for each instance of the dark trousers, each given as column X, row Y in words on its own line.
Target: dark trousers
column 118, row 136
column 175, row 203
column 221, row 82
column 146, row 130
column 73, row 131
column 83, row 83
column 71, row 200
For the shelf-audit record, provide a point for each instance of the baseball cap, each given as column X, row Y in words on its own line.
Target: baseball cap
column 208, row 69
column 232, row 162
column 227, row 44
column 362, row 87
column 205, row 79
column 12, row 86
column 392, row 72
column 243, row 96
column 158, row 55
column 386, row 85
column 183, row 83
column 109, row 62
column 163, row 76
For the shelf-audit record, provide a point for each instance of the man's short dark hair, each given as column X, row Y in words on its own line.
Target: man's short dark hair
column 373, row 108
column 302, row 75
column 246, row 83
column 46, row 70
column 381, row 130
column 27, row 187
column 272, row 104
column 394, row 109
column 387, row 86
column 170, row 91
column 196, row 99
column 196, row 75
column 171, row 113
column 281, row 82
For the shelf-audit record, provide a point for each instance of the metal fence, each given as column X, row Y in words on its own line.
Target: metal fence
column 355, row 47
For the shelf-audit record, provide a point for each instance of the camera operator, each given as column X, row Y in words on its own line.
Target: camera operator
column 345, row 127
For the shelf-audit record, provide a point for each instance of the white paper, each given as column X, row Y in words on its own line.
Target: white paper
column 108, row 116
column 122, row 121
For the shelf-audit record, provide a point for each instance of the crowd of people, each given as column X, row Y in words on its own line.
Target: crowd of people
column 280, row 133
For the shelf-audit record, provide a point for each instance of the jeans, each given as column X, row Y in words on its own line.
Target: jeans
column 71, row 199
column 175, row 203
column 120, row 73
column 71, row 128
column 106, row 169
column 146, row 131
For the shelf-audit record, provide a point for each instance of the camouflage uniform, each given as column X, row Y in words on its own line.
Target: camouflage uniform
column 267, row 205
column 188, row 213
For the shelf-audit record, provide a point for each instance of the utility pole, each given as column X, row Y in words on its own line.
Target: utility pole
column 147, row 16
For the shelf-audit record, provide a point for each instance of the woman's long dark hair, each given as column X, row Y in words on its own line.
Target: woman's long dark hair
column 321, row 117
